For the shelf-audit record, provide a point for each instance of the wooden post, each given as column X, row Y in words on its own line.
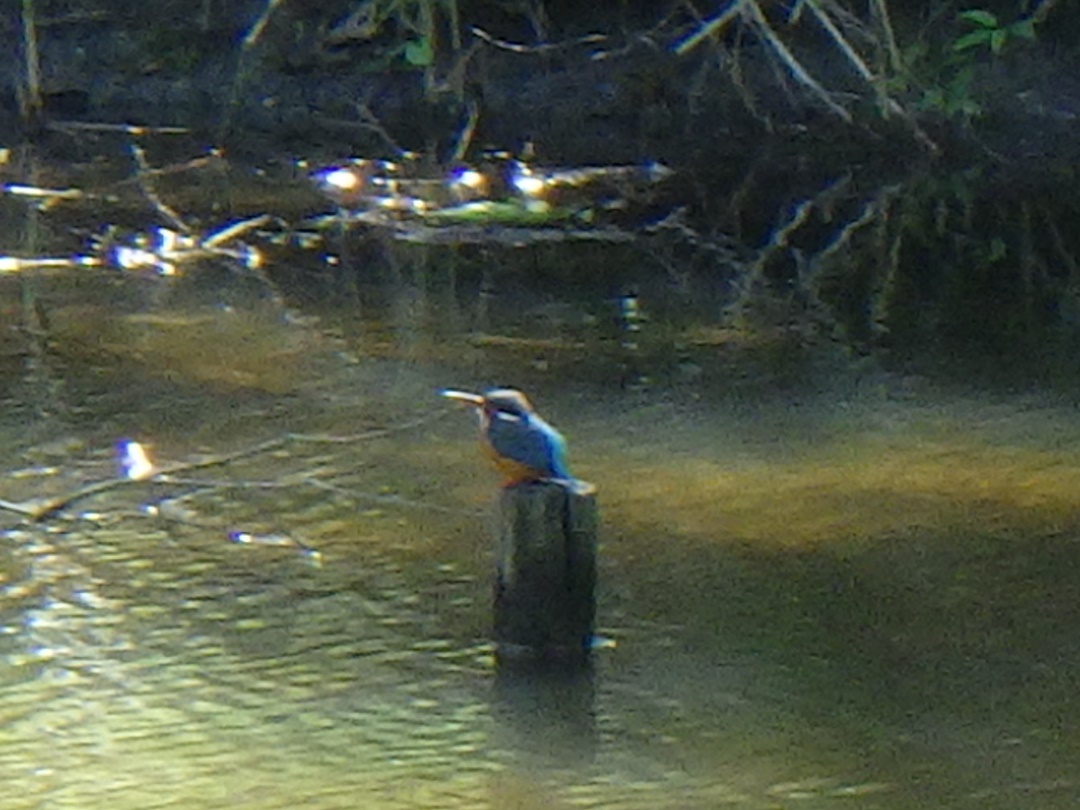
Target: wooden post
column 545, row 602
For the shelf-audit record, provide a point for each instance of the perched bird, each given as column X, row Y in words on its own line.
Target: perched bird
column 522, row 445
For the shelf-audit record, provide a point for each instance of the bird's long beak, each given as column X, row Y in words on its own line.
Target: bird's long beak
column 475, row 400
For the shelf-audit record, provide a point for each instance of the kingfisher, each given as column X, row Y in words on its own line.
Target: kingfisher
column 522, row 446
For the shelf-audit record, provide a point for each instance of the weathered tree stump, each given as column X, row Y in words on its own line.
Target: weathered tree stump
column 545, row 602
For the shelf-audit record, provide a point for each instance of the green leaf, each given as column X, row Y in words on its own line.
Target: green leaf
column 933, row 99
column 998, row 249
column 419, row 53
column 998, row 39
column 974, row 40
column 1025, row 29
column 963, row 78
column 980, row 17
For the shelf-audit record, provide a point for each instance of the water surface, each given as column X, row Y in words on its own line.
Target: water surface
column 827, row 586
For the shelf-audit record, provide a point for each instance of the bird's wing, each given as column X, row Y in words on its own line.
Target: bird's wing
column 526, row 443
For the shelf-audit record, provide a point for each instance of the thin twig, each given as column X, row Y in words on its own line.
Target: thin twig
column 244, row 68
column 881, row 12
column 515, row 47
column 237, row 229
column 465, row 137
column 393, row 500
column 19, row 508
column 792, row 63
column 255, row 33
column 142, row 176
column 370, row 121
column 781, row 237
column 38, row 510
column 710, row 28
column 377, row 433
column 889, row 105
column 843, row 45
column 870, row 211
column 126, row 129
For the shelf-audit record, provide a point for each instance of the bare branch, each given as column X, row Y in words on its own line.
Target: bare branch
column 41, row 509
column 714, row 26
column 792, row 63
column 515, row 47
column 143, row 173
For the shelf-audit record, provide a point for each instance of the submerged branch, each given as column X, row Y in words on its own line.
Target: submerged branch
column 143, row 175
column 38, row 510
column 74, row 127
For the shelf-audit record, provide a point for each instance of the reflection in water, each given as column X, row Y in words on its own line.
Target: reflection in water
column 778, row 640
column 547, row 711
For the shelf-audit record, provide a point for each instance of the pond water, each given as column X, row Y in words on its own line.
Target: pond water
column 823, row 586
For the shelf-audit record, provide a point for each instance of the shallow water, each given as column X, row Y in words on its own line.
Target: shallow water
column 858, row 592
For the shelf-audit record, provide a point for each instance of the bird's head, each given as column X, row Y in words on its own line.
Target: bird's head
column 497, row 400
column 508, row 400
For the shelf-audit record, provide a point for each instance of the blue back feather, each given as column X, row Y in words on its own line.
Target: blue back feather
column 528, row 439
